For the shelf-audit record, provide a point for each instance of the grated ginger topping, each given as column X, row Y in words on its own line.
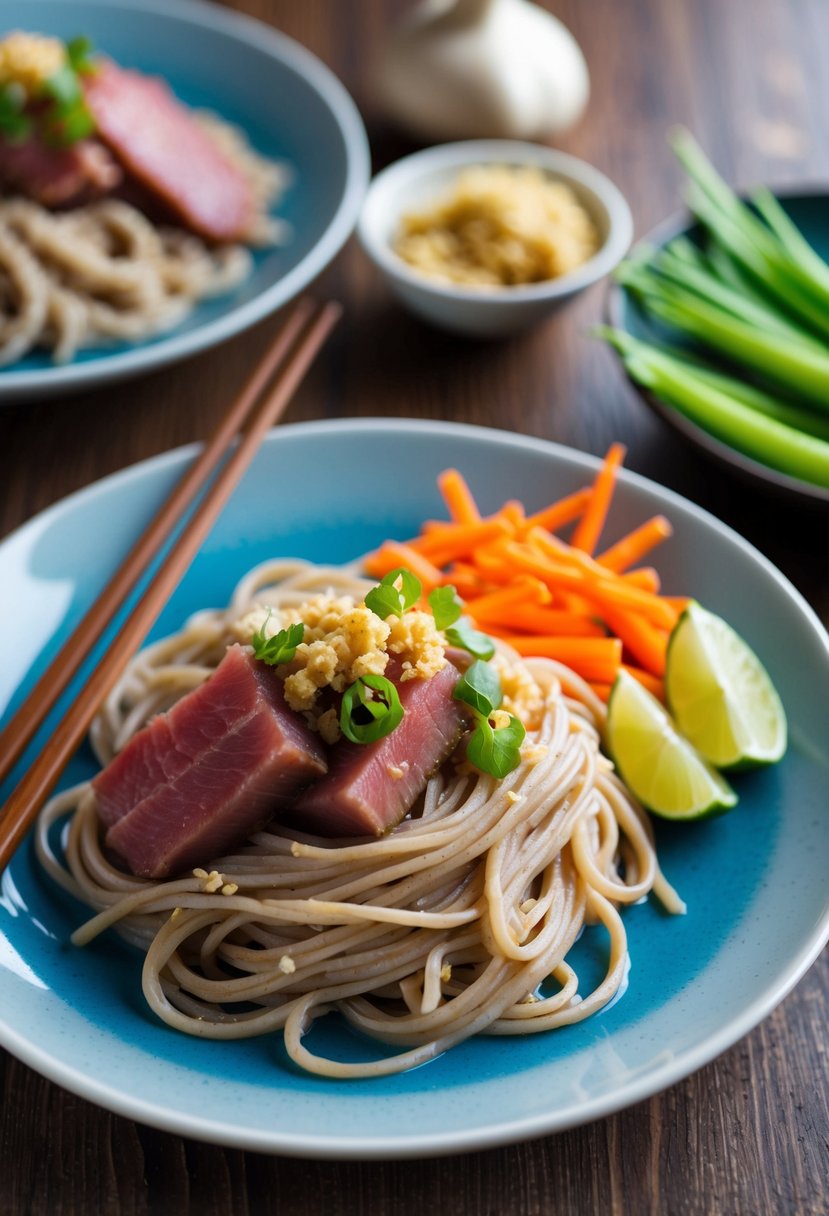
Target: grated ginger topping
column 29, row 60
column 343, row 640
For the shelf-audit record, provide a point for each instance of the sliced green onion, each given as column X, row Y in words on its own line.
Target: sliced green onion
column 370, row 709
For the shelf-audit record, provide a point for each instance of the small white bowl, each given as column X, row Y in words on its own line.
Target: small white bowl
column 418, row 180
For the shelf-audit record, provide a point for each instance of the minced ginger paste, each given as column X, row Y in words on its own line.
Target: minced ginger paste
column 499, row 227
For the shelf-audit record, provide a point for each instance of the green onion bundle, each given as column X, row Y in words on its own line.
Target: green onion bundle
column 747, row 320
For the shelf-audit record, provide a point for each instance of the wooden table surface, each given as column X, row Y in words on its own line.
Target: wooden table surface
column 750, row 1132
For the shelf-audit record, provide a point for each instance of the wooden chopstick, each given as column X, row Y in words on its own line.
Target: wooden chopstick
column 307, row 329
column 20, row 729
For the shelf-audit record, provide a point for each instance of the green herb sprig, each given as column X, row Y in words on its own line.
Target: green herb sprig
column 280, row 648
column 387, row 599
column 65, row 118
column 493, row 750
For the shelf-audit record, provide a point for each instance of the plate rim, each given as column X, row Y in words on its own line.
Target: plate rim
column 752, row 471
column 30, row 384
column 357, row 1147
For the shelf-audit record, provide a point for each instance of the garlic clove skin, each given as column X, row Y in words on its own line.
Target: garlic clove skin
column 483, row 68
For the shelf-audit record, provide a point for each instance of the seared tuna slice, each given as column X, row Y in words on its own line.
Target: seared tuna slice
column 160, row 142
column 202, row 777
column 58, row 177
column 370, row 787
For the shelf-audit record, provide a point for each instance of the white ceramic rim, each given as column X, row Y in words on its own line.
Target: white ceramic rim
column 673, row 1070
column 584, row 176
column 249, row 30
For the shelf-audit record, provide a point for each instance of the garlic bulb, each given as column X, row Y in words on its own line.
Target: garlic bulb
column 467, row 69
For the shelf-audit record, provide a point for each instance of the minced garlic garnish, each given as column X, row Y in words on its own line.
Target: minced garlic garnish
column 398, row 771
column 344, row 640
column 211, row 882
column 230, row 888
column 29, row 60
column 500, row 226
column 512, row 796
column 287, row 965
column 521, row 695
column 446, row 973
column 533, row 753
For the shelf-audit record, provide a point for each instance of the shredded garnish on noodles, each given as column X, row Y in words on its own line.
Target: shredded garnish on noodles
column 456, row 923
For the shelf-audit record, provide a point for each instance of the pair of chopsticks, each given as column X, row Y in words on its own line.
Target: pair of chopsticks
column 253, row 412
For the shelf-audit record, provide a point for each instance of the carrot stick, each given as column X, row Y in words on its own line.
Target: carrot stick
column 593, row 658
column 392, row 554
column 559, row 513
column 512, row 512
column 646, row 644
column 633, row 547
column 602, row 691
column 551, row 622
column 524, row 590
column 644, row 577
column 458, row 497
column 460, row 540
column 589, row 527
column 604, row 592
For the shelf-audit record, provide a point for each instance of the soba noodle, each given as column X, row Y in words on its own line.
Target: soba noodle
column 459, row 922
column 104, row 272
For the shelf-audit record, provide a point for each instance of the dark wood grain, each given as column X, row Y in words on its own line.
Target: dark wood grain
column 750, row 1132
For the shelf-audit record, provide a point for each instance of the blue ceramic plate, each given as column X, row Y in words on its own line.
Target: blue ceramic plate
column 291, row 107
column 809, row 210
column 754, row 880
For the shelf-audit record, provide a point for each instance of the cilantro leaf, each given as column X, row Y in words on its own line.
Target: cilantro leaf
column 281, row 648
column 496, row 751
column 387, row 599
column 446, row 606
column 468, row 638
column 480, row 688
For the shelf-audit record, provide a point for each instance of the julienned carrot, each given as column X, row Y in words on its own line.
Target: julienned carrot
column 589, row 528
column 644, row 577
column 523, row 583
column 646, row 644
column 596, row 659
column 443, row 547
column 636, row 544
column 531, row 618
column 458, row 497
column 392, row 554
column 523, row 590
column 562, row 512
column 605, row 592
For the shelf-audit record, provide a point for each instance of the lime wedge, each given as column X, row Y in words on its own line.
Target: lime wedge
column 657, row 764
column 720, row 694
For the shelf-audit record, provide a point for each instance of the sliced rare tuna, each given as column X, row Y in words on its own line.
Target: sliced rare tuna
column 371, row 787
column 199, row 779
column 58, row 177
column 163, row 145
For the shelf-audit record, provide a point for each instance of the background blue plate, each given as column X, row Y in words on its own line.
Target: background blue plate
column 291, row 107
column 754, row 880
column 810, row 211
